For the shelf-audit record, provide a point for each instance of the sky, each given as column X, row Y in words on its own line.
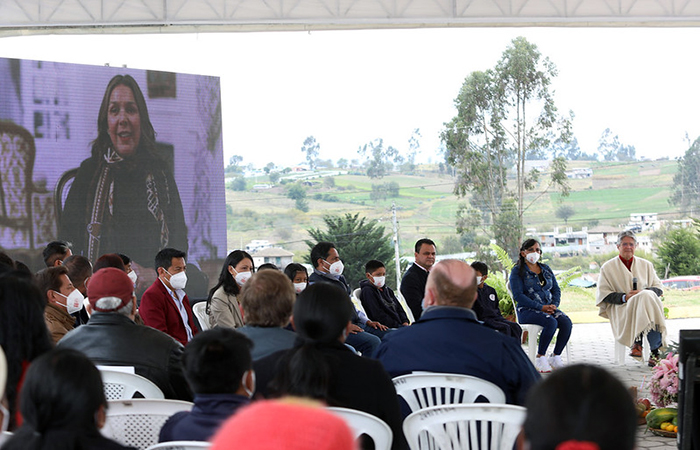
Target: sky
column 347, row 88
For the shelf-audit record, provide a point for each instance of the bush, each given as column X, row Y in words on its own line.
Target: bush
column 237, row 184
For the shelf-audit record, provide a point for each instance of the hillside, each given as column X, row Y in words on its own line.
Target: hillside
column 427, row 207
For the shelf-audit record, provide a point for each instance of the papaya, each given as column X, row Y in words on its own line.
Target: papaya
column 660, row 415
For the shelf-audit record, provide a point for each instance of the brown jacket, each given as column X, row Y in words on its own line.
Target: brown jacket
column 58, row 321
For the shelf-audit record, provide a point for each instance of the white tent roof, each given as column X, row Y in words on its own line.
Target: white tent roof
column 158, row 16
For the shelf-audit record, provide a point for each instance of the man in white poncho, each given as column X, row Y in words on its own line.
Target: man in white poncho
column 633, row 311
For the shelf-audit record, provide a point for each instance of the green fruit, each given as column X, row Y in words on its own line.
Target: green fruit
column 675, row 421
column 660, row 415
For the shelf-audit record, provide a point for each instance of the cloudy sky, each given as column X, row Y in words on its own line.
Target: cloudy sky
column 347, row 88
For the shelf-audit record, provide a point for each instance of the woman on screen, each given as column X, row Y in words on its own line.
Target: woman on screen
column 123, row 198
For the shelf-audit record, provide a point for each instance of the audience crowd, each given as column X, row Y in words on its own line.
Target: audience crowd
column 271, row 347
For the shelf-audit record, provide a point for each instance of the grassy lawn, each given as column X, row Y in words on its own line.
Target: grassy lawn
column 579, row 304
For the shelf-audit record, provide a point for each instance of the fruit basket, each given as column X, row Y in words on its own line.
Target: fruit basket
column 663, row 433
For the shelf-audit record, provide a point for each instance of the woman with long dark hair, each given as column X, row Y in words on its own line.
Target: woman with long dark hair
column 124, row 197
column 63, row 405
column 223, row 307
column 321, row 367
column 537, row 294
column 23, row 332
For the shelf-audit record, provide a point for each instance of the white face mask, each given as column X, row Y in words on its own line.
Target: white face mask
column 245, row 386
column 299, row 287
column 379, row 281
column 133, row 277
column 74, row 302
column 478, row 280
column 533, row 257
column 178, row 281
column 242, row 277
column 336, row 268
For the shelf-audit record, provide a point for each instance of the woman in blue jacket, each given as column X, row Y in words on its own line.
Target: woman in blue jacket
column 537, row 294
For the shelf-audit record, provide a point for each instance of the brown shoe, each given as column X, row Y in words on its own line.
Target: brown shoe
column 636, row 351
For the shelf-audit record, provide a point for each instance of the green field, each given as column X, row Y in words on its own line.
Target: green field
column 426, row 205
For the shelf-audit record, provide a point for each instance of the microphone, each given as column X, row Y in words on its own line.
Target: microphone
column 634, row 283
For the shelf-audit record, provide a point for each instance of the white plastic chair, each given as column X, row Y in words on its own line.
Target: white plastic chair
column 621, row 350
column 423, row 390
column 121, row 385
column 363, row 423
column 482, row 426
column 200, row 310
column 355, row 298
column 137, row 422
column 533, row 331
column 180, row 445
column 404, row 305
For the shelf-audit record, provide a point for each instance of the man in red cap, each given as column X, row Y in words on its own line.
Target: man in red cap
column 111, row 338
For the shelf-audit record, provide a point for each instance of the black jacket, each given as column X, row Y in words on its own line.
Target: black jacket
column 381, row 305
column 111, row 339
column 413, row 289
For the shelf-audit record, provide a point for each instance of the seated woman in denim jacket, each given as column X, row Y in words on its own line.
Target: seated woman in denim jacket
column 537, row 294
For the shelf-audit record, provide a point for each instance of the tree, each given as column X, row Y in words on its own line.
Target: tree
column 508, row 228
column 378, row 158
column 237, row 184
column 297, row 193
column 686, row 182
column 612, row 150
column 571, row 151
column 450, row 245
column 384, row 190
column 275, row 177
column 329, row 182
column 234, row 165
column 269, row 167
column 680, row 253
column 343, row 163
column 565, row 212
column 357, row 240
column 504, row 116
column 311, row 148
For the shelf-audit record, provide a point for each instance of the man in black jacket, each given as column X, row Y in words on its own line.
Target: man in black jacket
column 111, row 338
column 413, row 281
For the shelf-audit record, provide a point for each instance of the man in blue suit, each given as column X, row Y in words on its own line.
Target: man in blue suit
column 449, row 339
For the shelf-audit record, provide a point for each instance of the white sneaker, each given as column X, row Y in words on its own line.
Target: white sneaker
column 542, row 365
column 555, row 362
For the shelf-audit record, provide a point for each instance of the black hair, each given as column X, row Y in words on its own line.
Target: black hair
column 480, row 267
column 49, row 279
column 125, row 259
column 579, row 402
column 320, row 251
column 321, row 314
column 59, row 408
column 215, row 360
column 164, row 258
column 420, row 242
column 521, row 259
column 292, row 269
column 267, row 266
column 226, row 279
column 6, row 262
column 23, row 332
column 79, row 269
column 111, row 260
column 373, row 265
column 55, row 250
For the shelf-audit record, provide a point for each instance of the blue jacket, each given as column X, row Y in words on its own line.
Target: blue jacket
column 450, row 340
column 527, row 291
column 200, row 424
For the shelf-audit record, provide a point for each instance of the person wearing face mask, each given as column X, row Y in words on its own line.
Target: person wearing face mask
column 79, row 272
column 537, row 294
column 365, row 334
column 219, row 369
column 298, row 275
column 223, row 307
column 63, row 299
column 130, row 272
column 112, row 338
column 378, row 299
column 486, row 305
column 164, row 305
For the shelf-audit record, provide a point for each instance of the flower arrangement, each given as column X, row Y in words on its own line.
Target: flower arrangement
column 664, row 381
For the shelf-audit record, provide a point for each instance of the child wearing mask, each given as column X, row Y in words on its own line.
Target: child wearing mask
column 378, row 299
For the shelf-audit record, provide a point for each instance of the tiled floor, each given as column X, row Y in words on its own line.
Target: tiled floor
column 593, row 344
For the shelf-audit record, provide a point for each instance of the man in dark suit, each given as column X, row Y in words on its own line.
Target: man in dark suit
column 449, row 339
column 413, row 281
column 164, row 305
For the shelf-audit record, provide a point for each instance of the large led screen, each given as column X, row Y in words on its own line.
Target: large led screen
column 112, row 160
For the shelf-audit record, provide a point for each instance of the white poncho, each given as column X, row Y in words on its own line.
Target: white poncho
column 643, row 312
